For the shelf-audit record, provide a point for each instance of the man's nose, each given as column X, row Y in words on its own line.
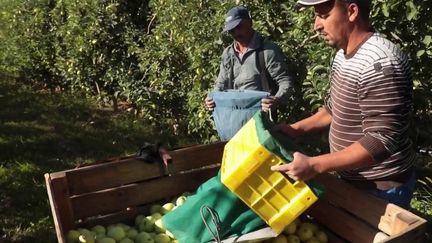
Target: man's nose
column 317, row 24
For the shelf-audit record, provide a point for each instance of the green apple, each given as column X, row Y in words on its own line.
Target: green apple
column 83, row 231
column 131, row 233
column 321, row 236
column 166, row 208
column 138, row 219
column 144, row 237
column 106, row 240
column 155, row 208
column 126, row 240
column 290, row 229
column 99, row 229
column 86, row 237
column 279, row 239
column 297, row 221
column 99, row 236
column 156, row 216
column 311, row 226
column 72, row 236
column 109, row 227
column 147, row 224
column 304, row 233
column 293, row 239
column 162, row 238
column 116, row 232
column 180, row 200
column 159, row 227
column 124, row 226
column 313, row 240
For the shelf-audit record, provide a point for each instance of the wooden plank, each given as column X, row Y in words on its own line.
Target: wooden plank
column 341, row 222
column 120, row 198
column 196, row 157
column 125, row 216
column 107, row 175
column 60, row 205
column 359, row 203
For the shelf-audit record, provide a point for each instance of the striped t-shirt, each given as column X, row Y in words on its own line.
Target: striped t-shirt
column 371, row 102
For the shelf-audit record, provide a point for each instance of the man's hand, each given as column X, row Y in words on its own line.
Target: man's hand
column 300, row 168
column 269, row 103
column 209, row 103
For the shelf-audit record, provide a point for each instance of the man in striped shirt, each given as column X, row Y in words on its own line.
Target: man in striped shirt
column 368, row 109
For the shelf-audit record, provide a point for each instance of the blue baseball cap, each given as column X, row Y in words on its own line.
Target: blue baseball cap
column 234, row 17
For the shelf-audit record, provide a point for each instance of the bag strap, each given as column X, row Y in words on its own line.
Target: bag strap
column 261, row 65
column 214, row 216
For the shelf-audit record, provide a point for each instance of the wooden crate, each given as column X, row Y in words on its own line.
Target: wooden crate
column 119, row 189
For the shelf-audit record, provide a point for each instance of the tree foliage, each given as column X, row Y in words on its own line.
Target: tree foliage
column 162, row 57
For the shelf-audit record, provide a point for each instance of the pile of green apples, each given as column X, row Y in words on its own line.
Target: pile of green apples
column 147, row 229
column 301, row 232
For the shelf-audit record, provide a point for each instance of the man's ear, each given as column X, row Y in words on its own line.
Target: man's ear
column 353, row 12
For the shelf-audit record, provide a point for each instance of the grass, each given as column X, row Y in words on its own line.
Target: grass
column 41, row 133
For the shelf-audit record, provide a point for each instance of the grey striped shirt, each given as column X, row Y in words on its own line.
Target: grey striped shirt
column 371, row 102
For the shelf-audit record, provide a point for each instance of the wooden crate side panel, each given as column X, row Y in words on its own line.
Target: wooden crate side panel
column 414, row 234
column 120, row 198
column 195, row 157
column 128, row 170
column 107, row 175
column 125, row 216
column 342, row 223
column 361, row 204
column 60, row 204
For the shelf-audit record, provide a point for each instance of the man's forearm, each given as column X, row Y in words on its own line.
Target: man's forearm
column 316, row 122
column 352, row 157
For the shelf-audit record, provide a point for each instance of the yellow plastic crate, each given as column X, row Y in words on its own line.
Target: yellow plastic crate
column 270, row 194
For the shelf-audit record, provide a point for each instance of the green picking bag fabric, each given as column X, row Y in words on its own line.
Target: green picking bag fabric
column 235, row 217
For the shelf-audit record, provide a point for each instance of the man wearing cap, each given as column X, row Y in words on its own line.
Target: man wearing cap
column 239, row 68
column 368, row 109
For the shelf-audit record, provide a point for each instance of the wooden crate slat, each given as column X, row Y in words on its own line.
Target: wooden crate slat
column 353, row 200
column 342, row 223
column 195, row 157
column 60, row 204
column 107, row 175
column 118, row 199
column 125, row 216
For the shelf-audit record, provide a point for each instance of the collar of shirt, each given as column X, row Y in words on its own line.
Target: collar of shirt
column 253, row 45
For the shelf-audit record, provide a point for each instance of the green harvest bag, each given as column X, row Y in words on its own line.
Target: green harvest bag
column 232, row 216
column 224, row 214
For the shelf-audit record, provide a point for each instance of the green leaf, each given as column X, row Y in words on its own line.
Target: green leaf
column 385, row 10
column 427, row 40
column 420, row 53
column 412, row 10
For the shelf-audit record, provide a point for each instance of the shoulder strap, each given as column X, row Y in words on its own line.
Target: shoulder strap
column 231, row 67
column 262, row 67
